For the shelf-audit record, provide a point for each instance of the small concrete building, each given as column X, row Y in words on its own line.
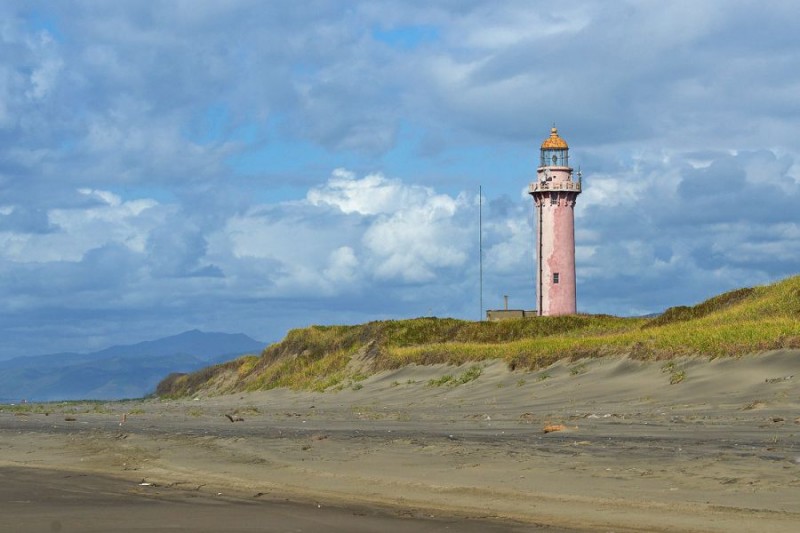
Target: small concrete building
column 506, row 313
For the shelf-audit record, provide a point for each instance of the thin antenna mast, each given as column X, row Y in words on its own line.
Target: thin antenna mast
column 480, row 245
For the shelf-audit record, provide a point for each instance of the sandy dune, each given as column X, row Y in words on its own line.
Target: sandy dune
column 717, row 451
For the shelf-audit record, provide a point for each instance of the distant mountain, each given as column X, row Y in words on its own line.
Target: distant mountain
column 118, row 372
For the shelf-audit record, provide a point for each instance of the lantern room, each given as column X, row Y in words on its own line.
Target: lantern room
column 555, row 152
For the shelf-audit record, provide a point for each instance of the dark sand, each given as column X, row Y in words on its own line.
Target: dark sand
column 35, row 500
column 718, row 452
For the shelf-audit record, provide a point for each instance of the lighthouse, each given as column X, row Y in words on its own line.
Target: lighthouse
column 554, row 194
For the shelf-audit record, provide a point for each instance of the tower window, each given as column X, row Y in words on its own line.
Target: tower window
column 555, row 277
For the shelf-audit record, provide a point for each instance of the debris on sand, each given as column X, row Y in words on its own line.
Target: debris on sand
column 550, row 428
column 234, row 418
column 70, row 419
column 755, row 404
column 778, row 380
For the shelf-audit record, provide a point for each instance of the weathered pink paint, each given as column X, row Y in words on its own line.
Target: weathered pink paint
column 554, row 194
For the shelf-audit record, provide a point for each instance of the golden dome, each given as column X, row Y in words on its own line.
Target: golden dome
column 554, row 142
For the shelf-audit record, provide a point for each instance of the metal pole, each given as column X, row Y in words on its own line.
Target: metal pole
column 480, row 245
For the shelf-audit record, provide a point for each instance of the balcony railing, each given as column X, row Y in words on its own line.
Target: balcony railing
column 538, row 186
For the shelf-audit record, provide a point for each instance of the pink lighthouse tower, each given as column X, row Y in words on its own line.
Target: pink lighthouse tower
column 554, row 193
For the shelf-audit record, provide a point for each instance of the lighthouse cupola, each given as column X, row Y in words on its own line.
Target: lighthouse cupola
column 555, row 152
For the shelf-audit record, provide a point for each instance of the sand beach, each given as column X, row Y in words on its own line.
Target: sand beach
column 635, row 449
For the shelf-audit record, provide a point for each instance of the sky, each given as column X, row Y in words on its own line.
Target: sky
column 249, row 166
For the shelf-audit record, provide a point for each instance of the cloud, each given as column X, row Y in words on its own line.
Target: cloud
column 412, row 231
column 370, row 195
column 342, row 266
column 72, row 233
column 21, row 219
column 726, row 223
column 170, row 165
column 376, row 227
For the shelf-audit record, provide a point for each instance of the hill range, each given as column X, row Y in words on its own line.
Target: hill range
column 129, row 371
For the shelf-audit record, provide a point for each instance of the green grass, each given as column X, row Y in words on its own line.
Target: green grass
column 444, row 380
column 316, row 358
column 578, row 369
column 26, row 408
column 676, row 373
column 470, row 374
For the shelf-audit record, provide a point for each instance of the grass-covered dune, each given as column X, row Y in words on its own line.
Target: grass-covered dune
column 326, row 357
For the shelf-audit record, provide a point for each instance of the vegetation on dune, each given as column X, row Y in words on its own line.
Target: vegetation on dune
column 322, row 357
column 717, row 303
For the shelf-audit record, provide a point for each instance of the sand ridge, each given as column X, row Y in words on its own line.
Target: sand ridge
column 716, row 451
